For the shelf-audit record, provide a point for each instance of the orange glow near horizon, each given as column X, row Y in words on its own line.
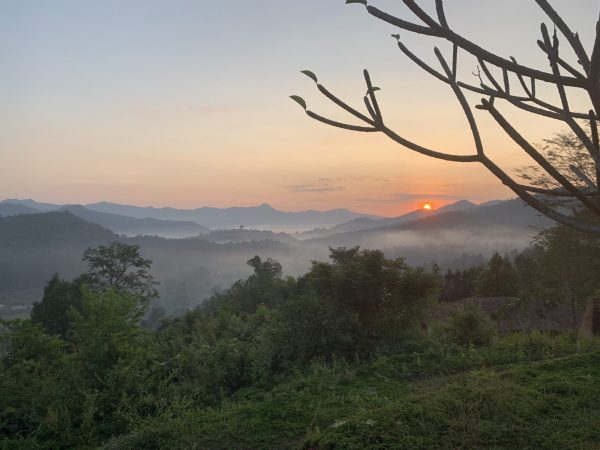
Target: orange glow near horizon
column 427, row 206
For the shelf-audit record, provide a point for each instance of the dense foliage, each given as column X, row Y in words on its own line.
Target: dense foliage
column 272, row 362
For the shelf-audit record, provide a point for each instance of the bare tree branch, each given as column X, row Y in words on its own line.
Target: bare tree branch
column 469, row 46
column 571, row 180
column 573, row 38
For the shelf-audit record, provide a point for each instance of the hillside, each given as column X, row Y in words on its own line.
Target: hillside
column 410, row 401
column 35, row 246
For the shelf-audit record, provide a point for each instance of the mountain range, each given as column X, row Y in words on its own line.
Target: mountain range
column 34, row 245
column 365, row 223
column 263, row 216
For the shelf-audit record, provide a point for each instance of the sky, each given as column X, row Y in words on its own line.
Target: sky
column 185, row 103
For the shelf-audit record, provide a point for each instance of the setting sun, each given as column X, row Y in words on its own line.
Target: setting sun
column 427, row 206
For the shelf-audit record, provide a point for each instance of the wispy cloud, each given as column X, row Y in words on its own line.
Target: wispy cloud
column 353, row 179
column 406, row 197
column 315, row 187
column 334, row 184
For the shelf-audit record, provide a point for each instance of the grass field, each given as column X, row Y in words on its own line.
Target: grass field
column 513, row 395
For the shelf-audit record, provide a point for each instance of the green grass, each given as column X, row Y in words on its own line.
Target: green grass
column 547, row 399
column 553, row 404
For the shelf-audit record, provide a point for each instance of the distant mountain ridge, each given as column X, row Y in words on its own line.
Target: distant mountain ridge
column 131, row 226
column 34, row 246
column 41, row 207
column 263, row 216
column 13, row 209
column 366, row 223
column 508, row 218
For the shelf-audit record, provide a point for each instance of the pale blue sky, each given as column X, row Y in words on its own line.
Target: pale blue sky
column 185, row 103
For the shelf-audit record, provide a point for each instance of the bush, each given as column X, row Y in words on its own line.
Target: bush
column 469, row 327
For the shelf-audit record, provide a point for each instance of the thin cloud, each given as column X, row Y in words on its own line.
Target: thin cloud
column 319, row 188
column 406, row 197
column 333, row 184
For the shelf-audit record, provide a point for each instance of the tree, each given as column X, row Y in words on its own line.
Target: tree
column 59, row 297
column 265, row 286
column 497, row 77
column 570, row 264
column 269, row 268
column 120, row 267
column 459, row 284
column 386, row 295
column 566, row 153
column 497, row 279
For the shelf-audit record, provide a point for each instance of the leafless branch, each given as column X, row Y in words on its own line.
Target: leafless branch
column 571, row 181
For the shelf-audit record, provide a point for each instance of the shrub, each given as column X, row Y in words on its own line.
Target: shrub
column 470, row 327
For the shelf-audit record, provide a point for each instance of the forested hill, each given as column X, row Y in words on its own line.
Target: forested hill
column 26, row 232
column 33, row 247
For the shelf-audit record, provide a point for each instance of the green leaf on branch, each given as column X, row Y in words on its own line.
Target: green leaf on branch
column 310, row 75
column 299, row 100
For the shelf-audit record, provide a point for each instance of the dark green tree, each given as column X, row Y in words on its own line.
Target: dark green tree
column 498, row 278
column 570, row 267
column 458, row 284
column 51, row 311
column 386, row 295
column 120, row 267
column 269, row 268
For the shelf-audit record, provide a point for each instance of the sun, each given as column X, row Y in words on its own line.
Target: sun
column 426, row 206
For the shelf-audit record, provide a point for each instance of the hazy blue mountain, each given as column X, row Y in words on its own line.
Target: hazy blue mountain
column 513, row 213
column 131, row 226
column 13, row 209
column 262, row 217
column 502, row 226
column 40, row 207
column 365, row 223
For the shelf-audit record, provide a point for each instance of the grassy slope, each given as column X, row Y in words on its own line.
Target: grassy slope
column 398, row 403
